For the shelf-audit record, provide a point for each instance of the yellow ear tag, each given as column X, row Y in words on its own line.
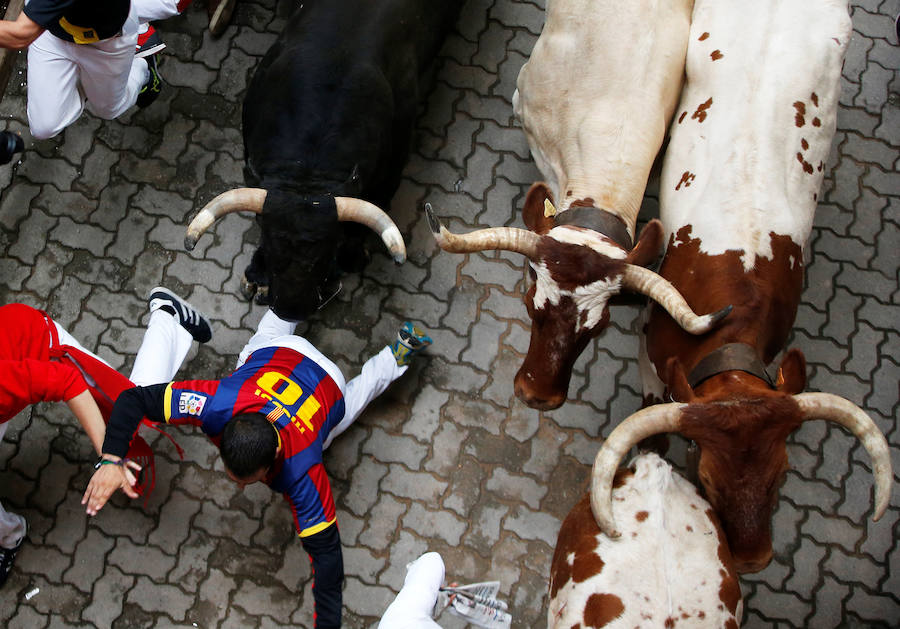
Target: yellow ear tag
column 549, row 210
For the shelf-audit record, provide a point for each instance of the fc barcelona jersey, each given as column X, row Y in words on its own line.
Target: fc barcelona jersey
column 302, row 402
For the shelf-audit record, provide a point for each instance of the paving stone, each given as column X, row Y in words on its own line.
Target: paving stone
column 516, row 487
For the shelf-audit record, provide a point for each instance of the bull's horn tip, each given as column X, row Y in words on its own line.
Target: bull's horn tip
column 433, row 222
column 720, row 314
column 189, row 243
column 399, row 259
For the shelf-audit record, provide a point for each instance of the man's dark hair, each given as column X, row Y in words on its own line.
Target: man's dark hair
column 248, row 444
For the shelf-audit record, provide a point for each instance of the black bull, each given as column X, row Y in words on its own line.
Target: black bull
column 329, row 113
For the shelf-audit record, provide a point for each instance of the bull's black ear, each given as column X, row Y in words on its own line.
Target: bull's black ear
column 533, row 212
column 649, row 245
column 676, row 381
column 791, row 377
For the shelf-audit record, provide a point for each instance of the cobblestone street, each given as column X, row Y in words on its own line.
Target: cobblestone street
column 447, row 459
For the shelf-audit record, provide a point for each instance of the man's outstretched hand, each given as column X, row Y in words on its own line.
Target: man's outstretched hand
column 107, row 480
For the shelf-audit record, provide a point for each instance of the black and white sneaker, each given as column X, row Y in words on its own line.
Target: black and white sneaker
column 188, row 317
column 149, row 43
column 7, row 559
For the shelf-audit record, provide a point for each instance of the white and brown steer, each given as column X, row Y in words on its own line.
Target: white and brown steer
column 738, row 191
column 670, row 568
column 594, row 99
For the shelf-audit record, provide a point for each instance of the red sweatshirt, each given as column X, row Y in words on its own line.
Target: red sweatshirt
column 29, row 371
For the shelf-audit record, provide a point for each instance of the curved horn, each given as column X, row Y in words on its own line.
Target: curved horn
column 654, row 286
column 354, row 210
column 836, row 409
column 250, row 199
column 506, row 238
column 649, row 421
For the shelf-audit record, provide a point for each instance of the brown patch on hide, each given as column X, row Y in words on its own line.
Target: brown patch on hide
column 800, row 116
column 700, row 114
column 703, row 36
column 816, row 122
column 681, row 117
column 669, row 623
column 814, row 98
column 690, row 529
column 640, row 516
column 715, row 55
column 568, row 193
column 577, row 537
column 586, row 202
column 731, row 623
column 621, row 476
column 820, row 166
column 804, row 144
column 601, row 609
column 686, row 179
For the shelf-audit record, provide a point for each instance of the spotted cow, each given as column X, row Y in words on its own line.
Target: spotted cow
column 594, row 100
column 738, row 191
column 671, row 567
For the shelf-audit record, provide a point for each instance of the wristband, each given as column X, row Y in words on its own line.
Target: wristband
column 101, row 462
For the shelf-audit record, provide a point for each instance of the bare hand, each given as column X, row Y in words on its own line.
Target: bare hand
column 106, row 481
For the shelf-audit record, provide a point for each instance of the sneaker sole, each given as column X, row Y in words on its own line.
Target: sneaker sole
column 146, row 52
column 221, row 17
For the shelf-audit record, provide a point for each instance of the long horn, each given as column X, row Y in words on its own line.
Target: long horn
column 644, row 281
column 505, row 238
column 649, row 421
column 250, row 199
column 354, row 210
column 836, row 409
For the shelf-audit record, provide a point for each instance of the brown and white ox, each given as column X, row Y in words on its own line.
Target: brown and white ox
column 671, row 567
column 594, row 99
column 738, row 192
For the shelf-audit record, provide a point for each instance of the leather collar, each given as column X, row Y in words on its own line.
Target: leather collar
column 598, row 220
column 729, row 357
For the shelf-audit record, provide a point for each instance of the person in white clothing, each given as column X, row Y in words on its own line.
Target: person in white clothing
column 85, row 54
column 415, row 602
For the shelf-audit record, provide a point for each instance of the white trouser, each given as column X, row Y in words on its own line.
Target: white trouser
column 413, row 605
column 377, row 373
column 64, row 78
column 164, row 348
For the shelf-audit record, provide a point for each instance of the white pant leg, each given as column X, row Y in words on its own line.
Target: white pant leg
column 54, row 100
column 109, row 76
column 270, row 327
column 412, row 607
column 377, row 373
column 67, row 339
column 153, row 10
column 12, row 525
column 164, row 348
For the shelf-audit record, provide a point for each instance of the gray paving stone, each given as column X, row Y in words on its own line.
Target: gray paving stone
column 154, row 597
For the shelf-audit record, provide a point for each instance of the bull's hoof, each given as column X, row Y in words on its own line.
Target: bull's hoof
column 248, row 288
column 262, row 296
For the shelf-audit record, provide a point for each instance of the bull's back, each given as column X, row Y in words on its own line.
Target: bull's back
column 339, row 81
column 754, row 126
column 670, row 562
column 597, row 93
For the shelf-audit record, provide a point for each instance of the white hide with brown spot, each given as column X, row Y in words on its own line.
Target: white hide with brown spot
column 753, row 130
column 597, row 94
column 666, row 564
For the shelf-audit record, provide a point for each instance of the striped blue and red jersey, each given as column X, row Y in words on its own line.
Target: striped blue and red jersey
column 303, row 403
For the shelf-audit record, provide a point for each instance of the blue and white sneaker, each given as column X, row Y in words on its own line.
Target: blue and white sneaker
column 409, row 342
column 188, row 317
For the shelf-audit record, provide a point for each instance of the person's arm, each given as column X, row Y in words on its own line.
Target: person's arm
column 18, row 34
column 324, row 550
column 88, row 413
column 131, row 406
